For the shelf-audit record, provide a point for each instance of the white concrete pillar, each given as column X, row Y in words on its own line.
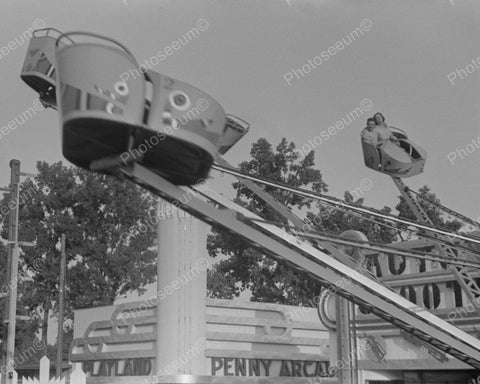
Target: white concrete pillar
column 182, row 289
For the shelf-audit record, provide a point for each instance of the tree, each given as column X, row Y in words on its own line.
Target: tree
column 437, row 216
column 24, row 330
column 246, row 268
column 267, row 279
column 220, row 285
column 334, row 221
column 109, row 249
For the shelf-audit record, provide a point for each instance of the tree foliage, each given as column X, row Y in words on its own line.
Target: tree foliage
column 246, row 268
column 335, row 221
column 243, row 268
column 108, row 248
column 437, row 216
column 24, row 331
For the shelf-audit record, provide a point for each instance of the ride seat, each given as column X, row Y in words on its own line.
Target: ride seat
column 38, row 69
column 371, row 155
column 235, row 129
column 99, row 111
column 185, row 124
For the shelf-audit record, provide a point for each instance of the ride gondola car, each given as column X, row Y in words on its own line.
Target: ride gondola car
column 401, row 159
column 235, row 129
column 38, row 69
column 174, row 132
column 189, row 124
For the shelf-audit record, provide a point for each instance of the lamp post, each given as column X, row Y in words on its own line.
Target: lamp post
column 11, row 309
column 61, row 299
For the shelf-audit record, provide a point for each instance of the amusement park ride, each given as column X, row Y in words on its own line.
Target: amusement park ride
column 105, row 120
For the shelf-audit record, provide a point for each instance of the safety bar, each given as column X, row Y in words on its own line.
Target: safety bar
column 90, row 34
column 48, row 30
column 400, row 130
column 237, row 122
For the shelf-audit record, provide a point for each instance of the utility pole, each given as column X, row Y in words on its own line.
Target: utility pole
column 61, row 294
column 6, row 295
column 10, row 315
column 13, row 264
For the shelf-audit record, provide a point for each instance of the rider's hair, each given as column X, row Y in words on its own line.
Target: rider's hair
column 371, row 119
column 378, row 113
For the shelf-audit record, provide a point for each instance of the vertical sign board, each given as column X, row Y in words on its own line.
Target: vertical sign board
column 431, row 286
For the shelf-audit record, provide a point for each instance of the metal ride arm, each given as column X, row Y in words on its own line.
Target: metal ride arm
column 464, row 276
column 346, row 331
column 448, row 210
column 341, row 204
column 302, row 256
column 327, row 247
column 329, row 243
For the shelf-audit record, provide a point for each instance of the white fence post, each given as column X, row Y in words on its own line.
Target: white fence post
column 44, row 370
column 77, row 376
column 29, row 380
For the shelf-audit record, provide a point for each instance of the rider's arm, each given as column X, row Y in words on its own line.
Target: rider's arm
column 392, row 136
column 369, row 137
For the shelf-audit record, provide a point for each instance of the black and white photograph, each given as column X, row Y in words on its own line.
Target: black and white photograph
column 239, row 192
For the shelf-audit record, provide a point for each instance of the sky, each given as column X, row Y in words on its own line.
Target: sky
column 414, row 60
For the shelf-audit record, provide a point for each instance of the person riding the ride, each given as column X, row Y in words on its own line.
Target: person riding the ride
column 384, row 133
column 388, row 150
column 369, row 133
